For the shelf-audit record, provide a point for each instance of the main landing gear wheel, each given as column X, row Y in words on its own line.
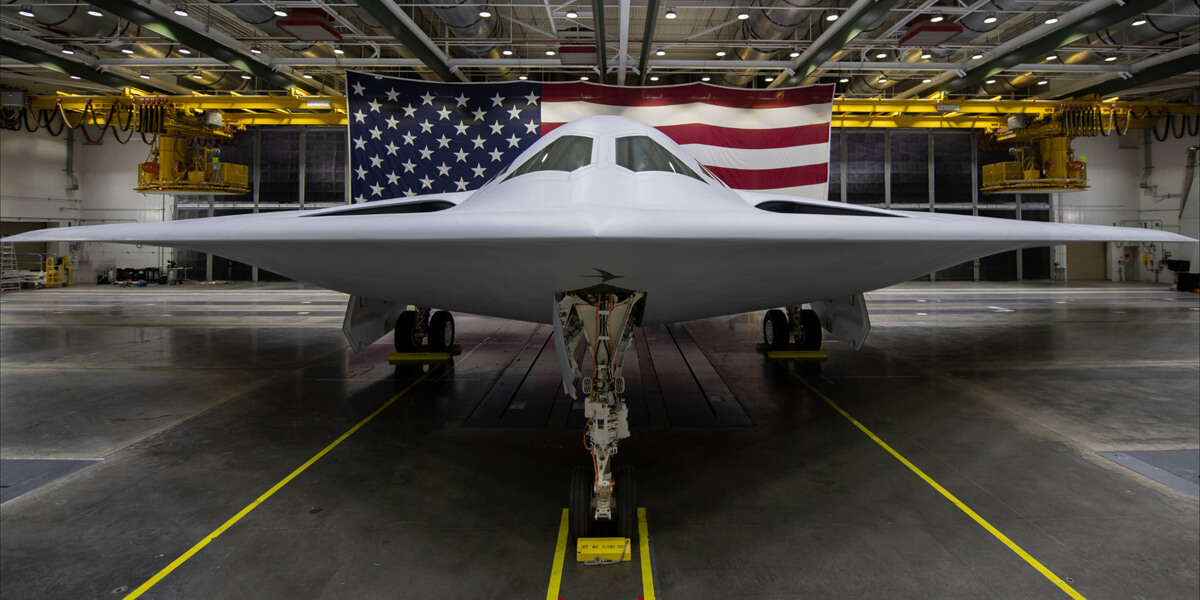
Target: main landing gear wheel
column 776, row 330
column 407, row 335
column 441, row 331
column 808, row 333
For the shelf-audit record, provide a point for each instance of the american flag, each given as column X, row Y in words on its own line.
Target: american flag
column 410, row 137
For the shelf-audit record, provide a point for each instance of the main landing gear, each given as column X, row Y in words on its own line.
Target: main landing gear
column 802, row 324
column 602, row 499
column 414, row 326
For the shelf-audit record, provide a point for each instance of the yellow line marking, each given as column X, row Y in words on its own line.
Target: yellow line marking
column 644, row 551
column 560, row 555
column 245, row 511
column 1033, row 562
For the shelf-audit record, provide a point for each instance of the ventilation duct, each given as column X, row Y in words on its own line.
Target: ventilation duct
column 464, row 22
column 778, row 22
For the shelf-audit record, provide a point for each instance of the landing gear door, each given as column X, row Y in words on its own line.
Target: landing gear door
column 845, row 319
column 368, row 319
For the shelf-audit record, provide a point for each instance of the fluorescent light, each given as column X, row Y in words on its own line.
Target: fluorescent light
column 95, row 13
column 584, row 78
column 549, row 53
column 245, row 76
column 184, row 51
column 507, row 52
column 990, row 19
column 74, row 77
column 990, row 81
column 706, row 78
column 720, row 53
column 881, row 55
column 181, row 11
column 126, row 50
column 1110, row 58
column 926, row 55
column 318, row 104
column 144, row 76
column 572, row 14
column 670, row 14
column 1043, row 82
column 832, row 17
column 654, row 78
column 926, row 81
column 882, row 79
column 1138, row 22
column 844, row 80
column 338, row 50
column 769, row 79
column 937, row 19
column 522, row 77
column 68, row 51
column 485, row 14
column 197, row 76
column 255, row 50
column 307, row 76
column 279, row 12
column 793, row 54
column 743, row 16
column 1051, row 20
column 25, row 12
column 976, row 56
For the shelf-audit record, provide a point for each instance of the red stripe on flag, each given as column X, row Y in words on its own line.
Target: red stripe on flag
column 730, row 137
column 580, row 91
column 766, row 179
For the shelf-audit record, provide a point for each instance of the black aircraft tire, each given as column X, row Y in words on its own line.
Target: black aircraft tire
column 808, row 337
column 406, row 332
column 579, row 503
column 626, row 491
column 441, row 331
column 776, row 330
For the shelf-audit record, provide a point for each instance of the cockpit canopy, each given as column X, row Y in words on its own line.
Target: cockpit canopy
column 567, row 153
column 639, row 153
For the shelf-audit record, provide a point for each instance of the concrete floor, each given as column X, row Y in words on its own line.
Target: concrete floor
column 135, row 422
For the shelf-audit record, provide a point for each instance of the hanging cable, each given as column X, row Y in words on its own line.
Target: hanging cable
column 1166, row 128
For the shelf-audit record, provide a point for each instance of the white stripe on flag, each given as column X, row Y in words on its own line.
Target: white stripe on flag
column 694, row 112
column 768, row 158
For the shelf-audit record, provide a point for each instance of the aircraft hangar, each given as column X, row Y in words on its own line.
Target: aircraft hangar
column 175, row 423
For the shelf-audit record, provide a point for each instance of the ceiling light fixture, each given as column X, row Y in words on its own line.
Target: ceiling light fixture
column 338, row 50
column 926, row 55
column 74, row 77
column 670, row 14
column 184, row 51
column 144, row 76
column 769, row 79
column 549, row 53
column 832, row 17
column 720, row 53
column 926, row 80
column 1139, row 22
column 976, row 56
column 991, row 18
column 522, row 77
column 1051, row 20
column 1043, row 82
column 68, row 51
column 706, row 78
column 883, row 79
column 794, row 54
column 660, row 52
column 584, row 78
column 485, row 13
column 307, row 76
column 126, row 50
column 572, row 14
column 937, row 19
column 245, row 76
column 990, row 81
column 844, row 80
column 1110, row 58
column 255, row 50
column 742, row 16
column 507, row 52
column 654, row 78
column 197, row 76
column 881, row 55
column 181, row 11
column 26, row 11
column 1052, row 57
column 95, row 13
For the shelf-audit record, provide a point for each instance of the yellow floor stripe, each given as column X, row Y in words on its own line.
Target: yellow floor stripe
column 560, row 556
column 644, row 551
column 175, row 564
column 1033, row 562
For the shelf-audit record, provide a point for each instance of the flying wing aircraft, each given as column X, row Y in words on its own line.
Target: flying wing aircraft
column 601, row 226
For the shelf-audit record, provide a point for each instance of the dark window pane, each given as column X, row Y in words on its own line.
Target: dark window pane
column 567, row 153
column 639, row 153
column 835, row 165
column 864, row 167
column 952, row 166
column 910, row 166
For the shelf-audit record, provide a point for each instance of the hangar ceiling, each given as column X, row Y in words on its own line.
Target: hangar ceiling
column 1143, row 50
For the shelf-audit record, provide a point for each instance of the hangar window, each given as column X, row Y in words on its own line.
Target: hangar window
column 567, row 153
column 639, row 153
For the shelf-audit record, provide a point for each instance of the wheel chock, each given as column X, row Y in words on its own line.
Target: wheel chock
column 817, row 355
column 602, row 551
column 423, row 358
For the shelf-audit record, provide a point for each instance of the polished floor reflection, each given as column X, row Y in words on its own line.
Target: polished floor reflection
column 135, row 422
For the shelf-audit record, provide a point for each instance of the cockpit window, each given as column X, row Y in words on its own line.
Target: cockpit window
column 567, row 153
column 639, row 153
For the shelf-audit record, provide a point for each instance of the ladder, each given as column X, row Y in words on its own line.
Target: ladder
column 10, row 277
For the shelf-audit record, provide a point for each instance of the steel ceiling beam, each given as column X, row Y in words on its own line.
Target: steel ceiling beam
column 623, row 40
column 154, row 16
column 405, row 30
column 647, row 40
column 601, row 38
column 835, row 38
column 1179, row 66
column 62, row 64
column 1053, row 40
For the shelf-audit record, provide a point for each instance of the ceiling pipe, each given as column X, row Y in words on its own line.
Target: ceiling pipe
column 601, row 38
column 623, row 40
column 647, row 41
column 852, row 23
column 60, row 63
column 1183, row 61
column 405, row 30
column 777, row 21
column 1000, row 62
column 465, row 22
